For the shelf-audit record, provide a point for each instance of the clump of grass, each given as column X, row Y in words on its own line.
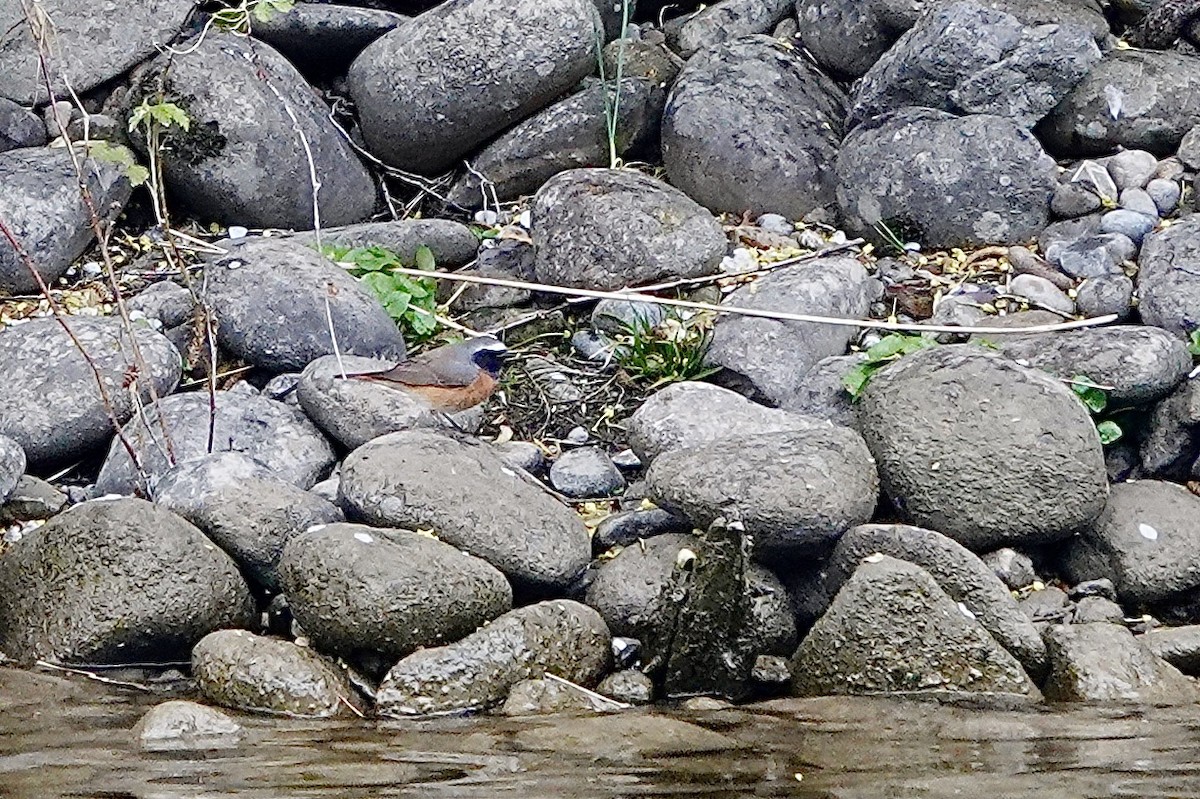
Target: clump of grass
column 667, row 352
column 410, row 301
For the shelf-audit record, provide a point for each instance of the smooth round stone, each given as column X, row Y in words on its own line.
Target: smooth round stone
column 1165, row 194
column 1128, row 223
column 1040, row 291
column 586, row 472
column 1105, row 294
column 1139, row 200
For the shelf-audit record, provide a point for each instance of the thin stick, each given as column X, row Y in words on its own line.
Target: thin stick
column 93, row 676
column 588, row 693
column 636, row 296
column 337, row 352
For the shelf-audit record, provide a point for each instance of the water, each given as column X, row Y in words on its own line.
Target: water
column 70, row 737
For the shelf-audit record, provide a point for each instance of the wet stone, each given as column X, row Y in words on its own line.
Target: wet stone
column 179, row 725
column 586, row 472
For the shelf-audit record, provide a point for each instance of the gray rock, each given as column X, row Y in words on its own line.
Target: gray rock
column 561, row 637
column 1049, row 605
column 323, row 38
column 269, row 432
column 1140, row 364
column 1121, row 462
column 966, row 57
column 18, row 127
column 617, row 317
column 239, row 669
column 992, row 186
column 723, row 21
column 570, row 134
column 1091, row 255
column 866, row 642
column 1015, row 569
column 524, row 455
column 545, row 696
column 822, row 394
column 1135, row 99
column 245, row 508
column 1131, row 169
column 165, row 301
column 752, row 126
column 983, row 450
column 767, row 359
column 1065, row 231
column 627, row 527
column 50, row 402
column 586, row 472
column 420, row 99
column 1168, row 287
column 629, row 686
column 1138, row 200
column 356, row 589
column 1146, row 542
column 273, row 301
column 1179, row 646
column 45, row 211
column 1093, row 609
column 808, row 487
column 609, row 228
column 1072, row 199
column 1105, row 663
column 12, row 467
column 1168, row 446
column 451, row 243
column 31, row 499
column 647, row 58
column 1103, row 295
column 79, row 57
column 626, row 738
column 1165, row 194
column 688, row 414
column 242, row 137
column 116, row 581
column 1189, row 148
column 1132, row 224
column 462, row 490
column 1041, row 292
column 960, row 573
column 180, row 726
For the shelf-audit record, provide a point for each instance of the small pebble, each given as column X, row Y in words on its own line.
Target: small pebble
column 586, row 472
column 740, row 262
column 486, row 218
column 524, row 455
column 775, row 223
column 237, row 232
column 1139, row 200
column 1170, row 169
column 591, row 345
column 629, row 686
column 1092, row 609
column 1103, row 295
column 1072, row 199
column 1132, row 168
column 577, row 436
column 1015, row 569
column 1040, row 291
column 1100, row 587
column 616, row 317
column 627, row 459
column 1165, row 194
column 1130, row 224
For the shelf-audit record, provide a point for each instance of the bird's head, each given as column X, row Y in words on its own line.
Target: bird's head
column 488, row 354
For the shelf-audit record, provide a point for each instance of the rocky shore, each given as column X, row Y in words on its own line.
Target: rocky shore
column 210, row 217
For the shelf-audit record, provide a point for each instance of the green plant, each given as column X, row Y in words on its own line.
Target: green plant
column 1095, row 399
column 891, row 347
column 240, row 18
column 1194, row 342
column 667, row 352
column 612, row 95
column 411, row 301
column 122, row 156
column 155, row 119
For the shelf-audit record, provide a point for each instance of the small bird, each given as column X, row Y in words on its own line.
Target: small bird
column 450, row 378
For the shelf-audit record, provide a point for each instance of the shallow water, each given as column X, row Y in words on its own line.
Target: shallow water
column 70, row 737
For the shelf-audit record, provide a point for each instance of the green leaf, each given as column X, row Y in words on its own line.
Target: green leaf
column 1194, row 342
column 1096, row 399
column 425, row 259
column 856, row 379
column 397, row 304
column 1109, row 431
column 265, row 9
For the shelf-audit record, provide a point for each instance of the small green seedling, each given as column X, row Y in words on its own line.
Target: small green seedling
column 1095, row 399
column 410, row 301
column 240, row 18
column 889, row 348
column 122, row 157
column 163, row 115
column 673, row 350
column 1194, row 342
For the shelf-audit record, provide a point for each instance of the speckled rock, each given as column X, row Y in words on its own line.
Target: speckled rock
column 420, row 101
column 356, row 589
column 560, row 637
column 239, row 669
column 586, row 472
column 178, row 725
column 983, row 450
column 752, row 126
column 545, row 695
column 722, row 21
column 272, row 433
column 608, row 228
column 866, row 642
column 1179, row 646
column 461, row 489
column 1168, row 286
column 116, row 581
column 790, row 489
column 49, row 400
column 1102, row 662
column 12, row 466
column 989, row 181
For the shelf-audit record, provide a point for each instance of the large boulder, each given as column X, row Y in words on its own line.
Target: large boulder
column 42, row 206
column 356, row 589
column 1133, row 99
column 116, row 581
column 419, row 93
column 724, row 21
column 968, row 58
column 274, row 301
column 791, row 490
column 867, row 643
column 87, row 50
column 1146, row 542
column 1168, row 280
column 767, row 359
column 559, row 637
column 979, row 179
column 50, row 401
column 611, row 228
column 183, row 427
column 771, row 149
column 253, row 119
column 461, row 489
column 982, row 449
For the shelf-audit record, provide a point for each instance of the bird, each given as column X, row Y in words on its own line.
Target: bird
column 450, row 378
